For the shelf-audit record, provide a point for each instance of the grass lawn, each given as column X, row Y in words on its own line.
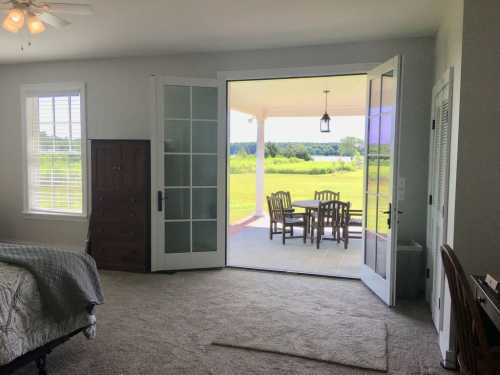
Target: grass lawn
column 301, row 186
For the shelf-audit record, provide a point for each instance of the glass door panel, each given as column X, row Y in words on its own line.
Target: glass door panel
column 380, row 213
column 189, row 119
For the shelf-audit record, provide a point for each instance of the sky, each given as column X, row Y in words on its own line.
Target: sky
column 295, row 129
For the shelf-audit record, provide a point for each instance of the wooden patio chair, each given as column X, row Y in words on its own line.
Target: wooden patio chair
column 343, row 221
column 326, row 217
column 286, row 220
column 355, row 220
column 475, row 356
column 326, row 195
column 286, row 198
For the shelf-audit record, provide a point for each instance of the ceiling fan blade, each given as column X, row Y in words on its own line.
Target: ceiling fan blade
column 52, row 20
column 80, row 9
column 5, row 6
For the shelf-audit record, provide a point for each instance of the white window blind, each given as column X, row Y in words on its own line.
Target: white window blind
column 55, row 162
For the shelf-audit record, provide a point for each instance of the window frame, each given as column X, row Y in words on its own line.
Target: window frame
column 51, row 89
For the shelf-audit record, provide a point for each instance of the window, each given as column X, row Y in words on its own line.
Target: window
column 55, row 144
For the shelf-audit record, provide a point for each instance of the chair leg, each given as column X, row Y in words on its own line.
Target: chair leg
column 291, row 230
column 304, row 232
column 318, row 239
column 270, row 230
column 283, row 233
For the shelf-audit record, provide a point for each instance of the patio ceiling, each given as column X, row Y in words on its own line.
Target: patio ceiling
column 299, row 97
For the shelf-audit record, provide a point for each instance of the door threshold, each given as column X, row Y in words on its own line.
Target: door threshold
column 262, row 269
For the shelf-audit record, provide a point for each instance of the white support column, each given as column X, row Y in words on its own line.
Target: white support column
column 259, row 168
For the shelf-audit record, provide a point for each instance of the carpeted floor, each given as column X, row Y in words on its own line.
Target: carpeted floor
column 163, row 324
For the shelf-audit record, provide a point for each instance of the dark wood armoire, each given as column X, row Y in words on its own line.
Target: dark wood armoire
column 120, row 222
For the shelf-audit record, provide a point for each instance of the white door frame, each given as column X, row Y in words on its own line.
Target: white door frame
column 376, row 282
column 224, row 77
column 435, row 284
column 210, row 259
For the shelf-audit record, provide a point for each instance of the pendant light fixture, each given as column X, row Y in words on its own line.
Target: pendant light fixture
column 324, row 123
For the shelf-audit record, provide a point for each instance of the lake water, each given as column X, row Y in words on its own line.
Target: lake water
column 331, row 158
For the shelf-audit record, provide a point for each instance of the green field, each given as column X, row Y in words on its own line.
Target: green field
column 301, row 186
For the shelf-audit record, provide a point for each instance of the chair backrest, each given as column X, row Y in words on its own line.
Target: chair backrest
column 471, row 337
column 285, row 197
column 326, row 195
column 327, row 213
column 276, row 209
column 343, row 214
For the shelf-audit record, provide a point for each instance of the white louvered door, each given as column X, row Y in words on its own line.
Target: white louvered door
column 438, row 194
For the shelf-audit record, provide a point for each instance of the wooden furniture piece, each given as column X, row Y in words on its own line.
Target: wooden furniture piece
column 326, row 195
column 286, row 198
column 342, row 223
column 120, row 220
column 475, row 356
column 311, row 207
column 355, row 221
column 326, row 217
column 489, row 301
column 287, row 220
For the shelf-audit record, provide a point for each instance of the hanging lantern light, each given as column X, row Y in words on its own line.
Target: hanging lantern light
column 324, row 123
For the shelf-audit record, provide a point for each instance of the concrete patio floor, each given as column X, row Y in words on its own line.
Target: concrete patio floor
column 250, row 246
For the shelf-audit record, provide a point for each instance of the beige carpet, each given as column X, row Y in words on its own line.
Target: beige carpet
column 354, row 342
column 164, row 324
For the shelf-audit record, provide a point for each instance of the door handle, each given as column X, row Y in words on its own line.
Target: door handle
column 160, row 199
column 389, row 212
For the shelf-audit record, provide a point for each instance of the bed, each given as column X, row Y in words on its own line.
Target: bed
column 46, row 297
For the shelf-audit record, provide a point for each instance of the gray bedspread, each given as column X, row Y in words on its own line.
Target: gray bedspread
column 68, row 281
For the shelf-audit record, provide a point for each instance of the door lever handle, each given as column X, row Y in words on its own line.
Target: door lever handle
column 160, row 199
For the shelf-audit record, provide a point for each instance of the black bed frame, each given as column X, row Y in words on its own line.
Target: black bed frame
column 38, row 355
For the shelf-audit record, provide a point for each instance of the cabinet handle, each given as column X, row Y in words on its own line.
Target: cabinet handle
column 480, row 300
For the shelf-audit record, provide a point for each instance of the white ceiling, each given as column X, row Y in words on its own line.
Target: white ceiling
column 300, row 97
column 156, row 27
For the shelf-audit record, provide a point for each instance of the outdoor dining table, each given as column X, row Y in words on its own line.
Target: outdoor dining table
column 308, row 204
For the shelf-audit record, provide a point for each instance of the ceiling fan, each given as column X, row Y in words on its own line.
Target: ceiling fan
column 36, row 14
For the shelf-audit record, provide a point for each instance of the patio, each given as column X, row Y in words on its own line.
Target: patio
column 251, row 247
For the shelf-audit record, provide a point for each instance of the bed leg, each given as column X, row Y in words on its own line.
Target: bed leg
column 41, row 365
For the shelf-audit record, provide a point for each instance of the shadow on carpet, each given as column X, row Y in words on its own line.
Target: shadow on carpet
column 349, row 341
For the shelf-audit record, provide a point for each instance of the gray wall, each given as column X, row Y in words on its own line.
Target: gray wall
column 477, row 207
column 118, row 106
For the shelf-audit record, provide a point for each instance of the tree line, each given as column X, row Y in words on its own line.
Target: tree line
column 348, row 146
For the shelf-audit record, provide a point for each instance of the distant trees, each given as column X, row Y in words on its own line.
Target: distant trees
column 350, row 146
column 271, row 150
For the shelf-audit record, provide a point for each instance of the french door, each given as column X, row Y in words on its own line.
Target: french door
column 380, row 194
column 187, row 213
column 439, row 172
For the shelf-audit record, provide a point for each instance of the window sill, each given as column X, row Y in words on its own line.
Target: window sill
column 54, row 216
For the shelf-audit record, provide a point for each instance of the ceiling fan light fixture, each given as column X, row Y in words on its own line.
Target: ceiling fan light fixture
column 16, row 17
column 35, row 26
column 10, row 26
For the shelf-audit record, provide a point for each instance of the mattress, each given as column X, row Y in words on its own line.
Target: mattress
column 24, row 326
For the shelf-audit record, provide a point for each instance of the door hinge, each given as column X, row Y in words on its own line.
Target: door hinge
column 427, row 273
column 433, row 124
column 430, row 199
